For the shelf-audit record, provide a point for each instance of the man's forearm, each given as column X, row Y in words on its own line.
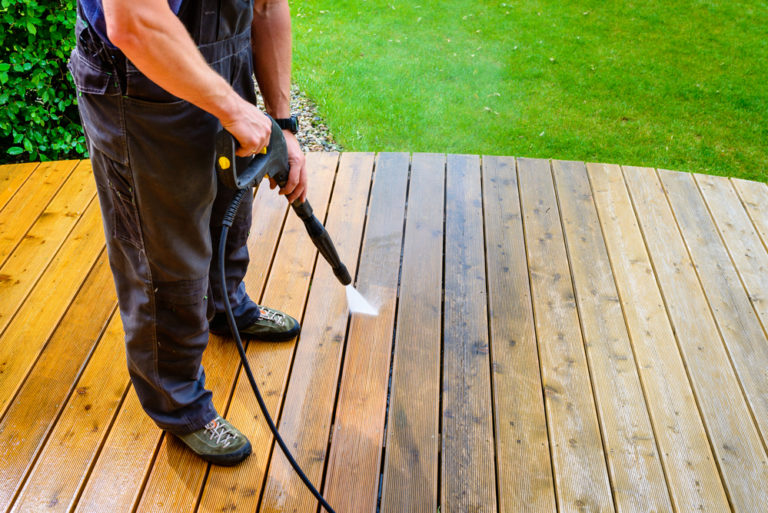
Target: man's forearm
column 156, row 41
column 271, row 43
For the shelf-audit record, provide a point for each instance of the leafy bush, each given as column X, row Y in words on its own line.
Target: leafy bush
column 38, row 107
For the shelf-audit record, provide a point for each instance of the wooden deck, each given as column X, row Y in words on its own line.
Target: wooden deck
column 552, row 337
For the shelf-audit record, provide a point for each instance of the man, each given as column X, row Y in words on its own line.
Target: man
column 156, row 79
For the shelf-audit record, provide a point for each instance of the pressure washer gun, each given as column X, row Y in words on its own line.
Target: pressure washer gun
column 241, row 174
column 245, row 172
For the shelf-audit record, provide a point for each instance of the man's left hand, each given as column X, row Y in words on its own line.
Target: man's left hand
column 296, row 186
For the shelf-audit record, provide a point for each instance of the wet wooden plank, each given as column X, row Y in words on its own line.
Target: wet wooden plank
column 358, row 432
column 63, row 465
column 37, row 405
column 410, row 461
column 135, row 447
column 468, row 476
column 754, row 196
column 636, row 474
column 522, row 446
column 692, row 475
column 740, row 328
column 12, row 177
column 735, row 440
column 28, row 203
column 305, row 422
column 742, row 240
column 24, row 266
column 33, row 324
column 240, row 487
column 580, row 473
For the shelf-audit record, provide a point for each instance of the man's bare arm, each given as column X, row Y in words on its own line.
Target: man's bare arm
column 158, row 44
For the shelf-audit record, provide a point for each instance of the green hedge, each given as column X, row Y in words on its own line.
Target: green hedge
column 38, row 107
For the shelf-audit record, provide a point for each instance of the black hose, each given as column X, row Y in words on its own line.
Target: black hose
column 226, row 223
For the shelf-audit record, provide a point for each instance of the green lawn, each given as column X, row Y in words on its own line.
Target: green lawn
column 679, row 84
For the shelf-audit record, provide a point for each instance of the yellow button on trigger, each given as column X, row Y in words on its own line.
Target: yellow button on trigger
column 224, row 162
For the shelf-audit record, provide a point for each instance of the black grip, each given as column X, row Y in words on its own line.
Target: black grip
column 321, row 240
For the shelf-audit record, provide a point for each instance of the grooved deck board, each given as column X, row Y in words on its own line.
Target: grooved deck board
column 361, row 405
column 552, row 337
column 410, row 464
column 468, row 477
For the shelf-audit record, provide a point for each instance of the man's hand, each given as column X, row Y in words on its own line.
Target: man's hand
column 296, row 186
column 252, row 129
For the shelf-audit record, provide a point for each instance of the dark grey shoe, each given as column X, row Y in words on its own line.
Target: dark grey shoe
column 272, row 326
column 218, row 443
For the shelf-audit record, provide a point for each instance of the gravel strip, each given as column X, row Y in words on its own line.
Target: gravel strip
column 313, row 133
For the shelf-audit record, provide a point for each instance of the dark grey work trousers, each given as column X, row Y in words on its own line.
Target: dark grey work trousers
column 153, row 162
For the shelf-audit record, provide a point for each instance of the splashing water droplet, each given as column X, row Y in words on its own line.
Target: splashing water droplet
column 358, row 304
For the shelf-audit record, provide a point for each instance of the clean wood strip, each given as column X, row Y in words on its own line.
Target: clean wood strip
column 306, row 418
column 581, row 477
column 31, row 256
column 733, row 435
column 30, row 200
column 468, row 477
column 271, row 362
column 177, row 474
column 11, row 179
column 362, row 404
column 692, row 475
column 740, row 328
column 35, row 408
column 633, row 461
column 63, row 465
column 410, row 461
column 754, row 196
column 28, row 333
column 118, row 478
column 741, row 239
column 522, row 447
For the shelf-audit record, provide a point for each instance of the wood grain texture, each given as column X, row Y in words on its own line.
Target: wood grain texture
column 63, row 465
column 177, row 471
column 522, row 446
column 468, row 474
column 580, row 473
column 754, row 197
column 24, row 266
column 358, row 433
column 410, row 461
column 12, row 177
column 37, row 405
column 30, row 201
column 690, row 469
column 740, row 328
column 239, row 488
column 636, row 474
column 37, row 318
column 305, row 421
column 734, row 438
column 741, row 238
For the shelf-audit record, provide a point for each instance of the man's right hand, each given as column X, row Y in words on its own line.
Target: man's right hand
column 250, row 126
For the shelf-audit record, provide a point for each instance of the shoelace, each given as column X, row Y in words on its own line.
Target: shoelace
column 219, row 432
column 272, row 316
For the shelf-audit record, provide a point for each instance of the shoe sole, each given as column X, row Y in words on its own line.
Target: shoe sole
column 228, row 460
column 277, row 337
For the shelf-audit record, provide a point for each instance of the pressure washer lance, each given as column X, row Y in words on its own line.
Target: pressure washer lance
column 273, row 163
